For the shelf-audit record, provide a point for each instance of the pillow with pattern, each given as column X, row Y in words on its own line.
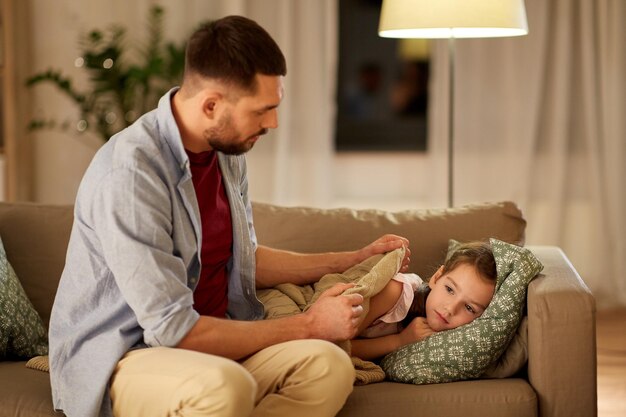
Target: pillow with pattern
column 22, row 333
column 467, row 351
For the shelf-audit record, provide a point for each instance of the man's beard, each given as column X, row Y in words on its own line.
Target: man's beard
column 226, row 139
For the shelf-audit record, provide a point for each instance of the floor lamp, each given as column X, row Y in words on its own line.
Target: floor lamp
column 452, row 19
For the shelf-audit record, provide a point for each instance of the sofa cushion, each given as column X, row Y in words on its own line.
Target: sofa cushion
column 511, row 397
column 516, row 354
column 514, row 358
column 22, row 334
column 310, row 230
column 30, row 397
column 467, row 351
column 35, row 238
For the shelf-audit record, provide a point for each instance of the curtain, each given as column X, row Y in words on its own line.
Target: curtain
column 293, row 164
column 540, row 120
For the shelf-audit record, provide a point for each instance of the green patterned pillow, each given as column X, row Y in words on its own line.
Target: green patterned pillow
column 467, row 351
column 22, row 333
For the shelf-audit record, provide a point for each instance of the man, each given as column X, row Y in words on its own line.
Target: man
column 156, row 312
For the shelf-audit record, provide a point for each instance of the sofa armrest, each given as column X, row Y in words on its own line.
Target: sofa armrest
column 561, row 338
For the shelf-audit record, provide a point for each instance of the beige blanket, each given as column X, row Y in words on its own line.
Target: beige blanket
column 370, row 276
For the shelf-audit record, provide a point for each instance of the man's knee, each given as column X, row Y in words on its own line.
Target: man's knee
column 228, row 390
column 332, row 365
column 330, row 376
column 166, row 381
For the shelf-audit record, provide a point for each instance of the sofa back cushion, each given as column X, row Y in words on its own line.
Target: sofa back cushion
column 35, row 238
column 309, row 230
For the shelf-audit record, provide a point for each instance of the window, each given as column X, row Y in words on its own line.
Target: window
column 382, row 92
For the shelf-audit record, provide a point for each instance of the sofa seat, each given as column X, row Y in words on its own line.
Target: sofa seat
column 509, row 397
column 24, row 392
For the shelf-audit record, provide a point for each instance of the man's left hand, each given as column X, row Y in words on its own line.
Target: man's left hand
column 387, row 243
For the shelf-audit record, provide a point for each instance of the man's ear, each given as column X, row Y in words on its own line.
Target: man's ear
column 210, row 104
column 435, row 277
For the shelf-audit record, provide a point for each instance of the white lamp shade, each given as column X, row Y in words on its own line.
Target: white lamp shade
column 433, row 19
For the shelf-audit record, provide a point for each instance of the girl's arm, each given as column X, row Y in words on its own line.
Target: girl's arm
column 369, row 349
column 381, row 303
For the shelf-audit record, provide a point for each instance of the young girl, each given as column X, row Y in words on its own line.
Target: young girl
column 408, row 310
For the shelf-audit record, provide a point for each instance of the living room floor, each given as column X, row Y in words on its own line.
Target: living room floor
column 611, row 345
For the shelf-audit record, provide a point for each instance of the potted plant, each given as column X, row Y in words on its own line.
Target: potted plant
column 119, row 91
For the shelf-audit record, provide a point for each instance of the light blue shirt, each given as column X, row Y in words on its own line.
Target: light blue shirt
column 133, row 259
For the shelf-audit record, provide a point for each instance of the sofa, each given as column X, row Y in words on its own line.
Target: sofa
column 558, row 380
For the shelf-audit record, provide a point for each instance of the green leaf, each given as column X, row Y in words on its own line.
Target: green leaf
column 117, row 86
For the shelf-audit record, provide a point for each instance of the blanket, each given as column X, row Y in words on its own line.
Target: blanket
column 369, row 277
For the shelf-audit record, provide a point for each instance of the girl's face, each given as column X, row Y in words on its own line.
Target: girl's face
column 457, row 297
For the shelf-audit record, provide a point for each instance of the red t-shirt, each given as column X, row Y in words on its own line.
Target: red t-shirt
column 211, row 294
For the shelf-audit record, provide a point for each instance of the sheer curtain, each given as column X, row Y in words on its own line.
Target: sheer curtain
column 293, row 164
column 540, row 121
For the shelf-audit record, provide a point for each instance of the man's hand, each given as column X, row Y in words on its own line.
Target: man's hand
column 416, row 331
column 384, row 244
column 336, row 317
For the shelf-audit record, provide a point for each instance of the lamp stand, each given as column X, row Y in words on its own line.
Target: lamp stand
column 451, row 122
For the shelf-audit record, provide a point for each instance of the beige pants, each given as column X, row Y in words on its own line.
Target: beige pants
column 298, row 378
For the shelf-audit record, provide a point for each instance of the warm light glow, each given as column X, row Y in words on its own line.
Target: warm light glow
column 414, row 49
column 433, row 19
column 439, row 33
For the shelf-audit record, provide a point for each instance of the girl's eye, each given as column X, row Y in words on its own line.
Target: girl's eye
column 449, row 290
column 470, row 309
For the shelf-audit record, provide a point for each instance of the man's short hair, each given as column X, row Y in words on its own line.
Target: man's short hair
column 233, row 50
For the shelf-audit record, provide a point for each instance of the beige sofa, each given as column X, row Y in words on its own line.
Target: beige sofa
column 559, row 380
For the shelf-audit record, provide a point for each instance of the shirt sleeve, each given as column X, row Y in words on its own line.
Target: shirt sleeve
column 133, row 218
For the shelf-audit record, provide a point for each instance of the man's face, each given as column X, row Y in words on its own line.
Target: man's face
column 457, row 297
column 243, row 122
